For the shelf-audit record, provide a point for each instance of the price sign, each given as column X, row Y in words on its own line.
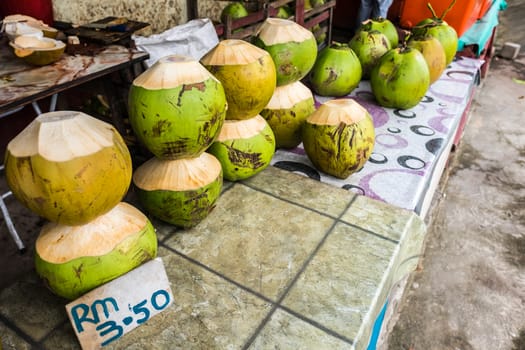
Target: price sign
column 108, row 312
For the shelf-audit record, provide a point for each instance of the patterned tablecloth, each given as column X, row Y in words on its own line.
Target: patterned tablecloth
column 408, row 142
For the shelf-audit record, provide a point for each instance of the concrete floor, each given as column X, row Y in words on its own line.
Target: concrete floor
column 469, row 292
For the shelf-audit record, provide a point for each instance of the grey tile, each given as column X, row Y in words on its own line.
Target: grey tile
column 254, row 239
column 31, row 307
column 9, row 340
column 302, row 190
column 339, row 286
column 207, row 313
column 285, row 331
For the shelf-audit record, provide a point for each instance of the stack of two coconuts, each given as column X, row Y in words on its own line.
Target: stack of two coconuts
column 74, row 170
column 338, row 137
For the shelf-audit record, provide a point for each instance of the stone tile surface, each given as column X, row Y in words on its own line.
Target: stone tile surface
column 9, row 340
column 338, row 287
column 302, row 190
column 254, row 239
column 208, row 312
column 285, row 331
column 31, row 307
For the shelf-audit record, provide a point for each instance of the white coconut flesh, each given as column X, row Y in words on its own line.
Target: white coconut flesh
column 279, row 31
column 177, row 175
column 62, row 136
column 287, row 96
column 58, row 243
column 172, row 71
column 242, row 129
column 233, row 52
column 338, row 111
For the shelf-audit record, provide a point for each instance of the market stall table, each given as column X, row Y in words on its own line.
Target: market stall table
column 411, row 146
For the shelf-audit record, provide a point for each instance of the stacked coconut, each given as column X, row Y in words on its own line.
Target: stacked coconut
column 74, row 170
column 176, row 110
column 293, row 48
column 246, row 142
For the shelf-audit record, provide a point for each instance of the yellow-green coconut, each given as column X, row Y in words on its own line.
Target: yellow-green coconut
column 244, row 147
column 247, row 74
column 37, row 51
column 72, row 260
column 293, row 48
column 176, row 107
column 181, row 192
column 68, row 167
column 339, row 137
column 286, row 112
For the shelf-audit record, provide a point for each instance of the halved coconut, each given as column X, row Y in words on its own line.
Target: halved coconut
column 181, row 192
column 286, row 112
column 72, row 260
column 18, row 24
column 247, row 74
column 176, row 107
column 38, row 51
column 339, row 137
column 293, row 48
column 244, row 147
column 68, row 167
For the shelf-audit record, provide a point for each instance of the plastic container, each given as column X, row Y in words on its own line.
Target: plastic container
column 461, row 16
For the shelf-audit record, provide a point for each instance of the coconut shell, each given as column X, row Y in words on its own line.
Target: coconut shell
column 180, row 192
column 339, row 137
column 244, row 147
column 68, row 167
column 73, row 260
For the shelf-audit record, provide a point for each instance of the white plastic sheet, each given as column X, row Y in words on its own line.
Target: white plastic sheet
column 194, row 39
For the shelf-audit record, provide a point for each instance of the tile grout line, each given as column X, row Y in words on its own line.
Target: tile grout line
column 325, row 214
column 295, row 279
column 19, row 332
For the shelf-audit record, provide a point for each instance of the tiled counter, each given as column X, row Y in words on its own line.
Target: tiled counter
column 283, row 261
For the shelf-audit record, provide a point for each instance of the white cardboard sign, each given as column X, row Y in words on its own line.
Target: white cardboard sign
column 106, row 313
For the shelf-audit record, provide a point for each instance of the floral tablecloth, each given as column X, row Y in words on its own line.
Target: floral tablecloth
column 408, row 142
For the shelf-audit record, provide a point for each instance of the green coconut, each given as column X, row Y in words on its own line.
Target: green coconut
column 339, row 137
column 180, row 192
column 369, row 46
column 400, row 79
column 176, row 107
column 293, row 48
column 68, row 167
column 336, row 72
column 441, row 30
column 37, row 51
column 386, row 27
column 247, row 74
column 72, row 260
column 433, row 53
column 235, row 10
column 286, row 112
column 244, row 147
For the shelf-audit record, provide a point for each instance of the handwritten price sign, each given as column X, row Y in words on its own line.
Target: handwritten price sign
column 107, row 313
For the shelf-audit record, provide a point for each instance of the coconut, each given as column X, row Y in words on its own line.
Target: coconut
column 441, row 30
column 293, row 48
column 68, row 167
column 235, row 10
column 369, row 46
column 247, row 74
column 400, row 79
column 336, row 72
column 18, row 24
column 433, row 53
column 38, row 51
column 339, row 137
column 176, row 107
column 286, row 112
column 386, row 27
column 244, row 147
column 181, row 192
column 72, row 260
